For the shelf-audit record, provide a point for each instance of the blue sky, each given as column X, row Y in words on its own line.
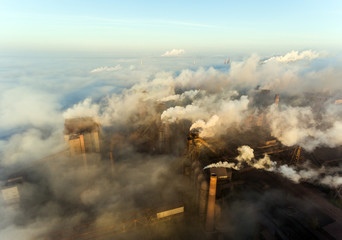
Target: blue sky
column 139, row 27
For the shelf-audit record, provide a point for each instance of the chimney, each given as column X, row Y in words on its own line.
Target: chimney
column 200, row 179
column 276, row 100
column 111, row 161
column 203, row 199
column 83, row 152
column 210, row 224
column 164, row 134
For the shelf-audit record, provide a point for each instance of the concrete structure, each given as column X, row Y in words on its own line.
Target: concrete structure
column 170, row 212
column 10, row 192
column 203, row 196
column 276, row 100
column 210, row 220
column 338, row 101
column 164, row 135
column 10, row 195
column 82, row 135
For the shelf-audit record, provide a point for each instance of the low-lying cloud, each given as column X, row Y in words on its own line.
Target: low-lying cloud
column 217, row 103
column 173, row 53
column 294, row 56
column 106, row 69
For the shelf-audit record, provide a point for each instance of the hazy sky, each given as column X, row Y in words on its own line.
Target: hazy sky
column 156, row 26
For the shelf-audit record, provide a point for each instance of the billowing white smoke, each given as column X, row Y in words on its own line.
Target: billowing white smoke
column 191, row 94
column 222, row 164
column 82, row 109
column 333, row 181
column 297, row 176
column 173, row 52
column 209, row 115
column 190, row 112
column 211, row 80
column 264, row 163
column 119, row 109
column 298, row 126
column 106, row 69
column 295, row 56
column 212, row 99
column 246, row 155
column 320, row 176
column 207, row 128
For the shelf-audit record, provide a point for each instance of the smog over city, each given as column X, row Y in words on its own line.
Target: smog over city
column 151, row 120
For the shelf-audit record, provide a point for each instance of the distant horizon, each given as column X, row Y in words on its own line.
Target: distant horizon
column 169, row 89
column 237, row 55
column 155, row 27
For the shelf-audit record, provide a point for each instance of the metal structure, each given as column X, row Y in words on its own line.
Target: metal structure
column 296, row 156
column 194, row 146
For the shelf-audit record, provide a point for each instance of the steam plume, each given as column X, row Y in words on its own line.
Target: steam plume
column 215, row 101
column 106, row 69
column 246, row 155
column 295, row 56
column 173, row 52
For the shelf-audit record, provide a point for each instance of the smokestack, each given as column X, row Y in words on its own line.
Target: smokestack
column 210, row 221
column 164, row 137
column 276, row 100
column 200, row 179
column 161, row 138
column 111, row 161
column 96, row 141
column 83, row 152
column 203, row 199
column 194, row 182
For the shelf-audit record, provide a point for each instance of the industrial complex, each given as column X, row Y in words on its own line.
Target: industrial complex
column 236, row 199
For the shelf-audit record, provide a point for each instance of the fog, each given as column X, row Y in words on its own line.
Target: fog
column 37, row 95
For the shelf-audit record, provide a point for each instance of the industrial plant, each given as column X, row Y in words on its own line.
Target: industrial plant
column 232, row 185
column 170, row 120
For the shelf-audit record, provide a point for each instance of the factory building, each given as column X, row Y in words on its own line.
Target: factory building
column 216, row 189
column 209, row 194
column 82, row 135
column 11, row 191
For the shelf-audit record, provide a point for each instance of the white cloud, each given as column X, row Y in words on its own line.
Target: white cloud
column 173, row 52
column 190, row 112
column 206, row 127
column 27, row 106
column 294, row 56
column 82, row 109
column 31, row 145
column 299, row 126
column 213, row 100
column 180, row 97
column 106, row 69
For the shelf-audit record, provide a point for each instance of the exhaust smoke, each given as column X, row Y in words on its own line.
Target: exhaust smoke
column 233, row 107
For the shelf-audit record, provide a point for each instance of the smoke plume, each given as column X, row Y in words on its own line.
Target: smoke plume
column 246, row 156
column 173, row 52
column 294, row 56
column 106, row 69
column 134, row 103
column 323, row 176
